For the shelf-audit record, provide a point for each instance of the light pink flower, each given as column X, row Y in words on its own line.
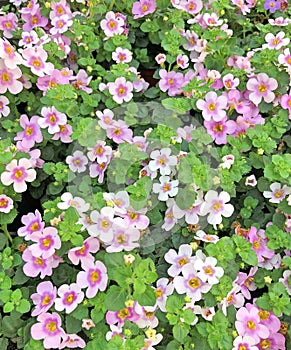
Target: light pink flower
column 248, row 324
column 11, row 58
column 112, row 25
column 4, row 109
column 46, row 243
column 70, row 297
column 18, row 173
column 121, row 90
column 245, row 342
column 163, row 289
column 49, row 329
column 276, row 42
column 76, row 202
column 72, row 341
column 6, row 204
column 171, row 82
column 100, row 152
column 230, row 82
column 261, row 87
column 33, row 225
column 82, row 81
column 208, row 271
column 94, row 277
column 52, row 119
column 213, row 106
column 285, row 58
column 121, row 55
column 77, row 162
column 142, row 8
column 178, row 260
column 44, row 297
column 8, row 79
column 190, row 284
column 31, row 133
column 87, row 323
column 35, row 59
column 162, row 161
column 202, row 236
column 278, row 192
column 60, row 24
column 82, row 254
column 285, row 101
column 102, row 224
column 8, row 23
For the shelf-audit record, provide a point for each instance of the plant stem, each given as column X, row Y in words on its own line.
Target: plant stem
column 6, row 232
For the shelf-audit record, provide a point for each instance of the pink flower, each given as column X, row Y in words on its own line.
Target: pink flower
column 178, row 260
column 46, row 243
column 219, row 130
column 35, row 265
column 119, row 132
column 8, row 79
column 60, row 24
column 87, row 323
column 119, row 317
column 18, row 173
column 72, row 341
column 6, row 204
column 262, row 87
column 8, row 23
column 248, row 324
column 285, row 102
column 100, row 152
column 94, row 277
column 112, row 25
column 31, row 131
column 202, row 236
column 276, row 42
column 64, row 134
column 70, row 297
column 212, row 20
column 230, row 82
column 124, row 238
column 136, row 218
column 142, row 8
column 36, row 61
column 213, row 106
column 171, row 82
column 33, row 225
column 259, row 244
column 69, row 201
column 192, row 6
column 43, row 298
column 121, row 90
column 285, row 58
column 4, row 109
column 215, row 206
column 246, row 282
column 82, row 254
column 33, row 19
column 49, row 329
column 82, row 81
column 121, row 55
column 52, row 119
column 11, row 58
column 102, row 227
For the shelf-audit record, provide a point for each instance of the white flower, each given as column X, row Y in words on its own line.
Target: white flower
column 69, row 201
column 251, row 181
column 207, row 271
column 215, row 205
column 162, row 161
column 277, row 194
column 166, row 188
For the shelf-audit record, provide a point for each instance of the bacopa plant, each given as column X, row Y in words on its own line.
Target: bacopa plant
column 145, row 175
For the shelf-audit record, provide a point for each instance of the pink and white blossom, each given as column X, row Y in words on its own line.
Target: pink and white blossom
column 70, row 296
column 6, row 204
column 262, row 87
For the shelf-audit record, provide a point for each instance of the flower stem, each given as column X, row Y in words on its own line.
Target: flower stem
column 6, row 232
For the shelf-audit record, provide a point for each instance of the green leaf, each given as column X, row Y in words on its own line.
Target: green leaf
column 147, row 298
column 185, row 198
column 177, row 105
column 73, row 325
column 180, row 331
column 115, row 298
column 23, row 307
column 8, row 307
column 174, row 303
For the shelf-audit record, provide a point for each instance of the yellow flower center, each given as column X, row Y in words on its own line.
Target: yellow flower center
column 279, row 194
column 159, row 293
column 18, row 174
column 229, row 299
column 51, row 326
column 46, row 242
column 144, row 8
column 81, row 251
column 183, row 261
column 171, row 81
column 123, row 313
column 5, row 77
column 52, row 118
column 104, row 224
column 194, row 283
column 166, row 187
column 52, row 84
column 9, row 49
column 34, row 20
column 162, row 161
column 99, row 150
column 149, row 314
column 70, row 298
column 133, row 216
column 218, row 128
column 95, row 276
column 38, row 261
column 112, row 24
column 256, row 244
column 264, row 314
column 28, row 131
column 242, row 347
column 216, row 206
column 251, row 325
column 208, row 270
column 121, row 91
column 121, row 239
column 3, row 203
column 46, row 300
column 262, row 88
column 265, row 344
column 212, row 106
